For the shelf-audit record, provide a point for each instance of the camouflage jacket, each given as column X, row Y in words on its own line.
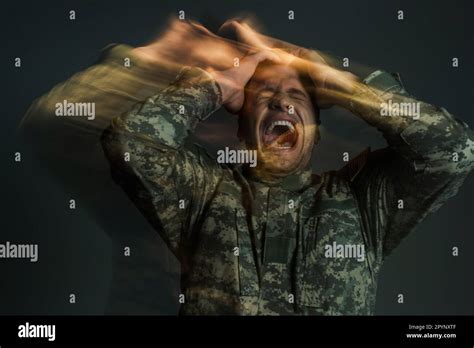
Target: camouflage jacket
column 250, row 248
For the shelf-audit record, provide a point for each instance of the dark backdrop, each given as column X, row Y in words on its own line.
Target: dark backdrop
column 76, row 255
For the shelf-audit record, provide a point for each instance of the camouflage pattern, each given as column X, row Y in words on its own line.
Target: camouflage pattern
column 243, row 249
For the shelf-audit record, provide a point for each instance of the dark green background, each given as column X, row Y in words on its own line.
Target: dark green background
column 80, row 253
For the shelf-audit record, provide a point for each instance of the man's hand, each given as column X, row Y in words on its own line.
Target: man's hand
column 333, row 86
column 232, row 81
column 187, row 43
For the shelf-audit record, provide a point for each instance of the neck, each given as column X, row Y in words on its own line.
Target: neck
column 295, row 178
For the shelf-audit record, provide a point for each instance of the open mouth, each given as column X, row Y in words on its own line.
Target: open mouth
column 279, row 133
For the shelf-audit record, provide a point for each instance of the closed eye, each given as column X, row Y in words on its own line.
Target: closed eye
column 265, row 94
column 293, row 93
column 297, row 94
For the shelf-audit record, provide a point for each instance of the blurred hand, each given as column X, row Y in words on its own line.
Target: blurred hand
column 232, row 81
column 187, row 43
column 333, row 86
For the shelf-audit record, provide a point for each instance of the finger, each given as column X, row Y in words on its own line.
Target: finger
column 249, row 64
column 201, row 29
column 266, row 55
column 243, row 33
column 312, row 56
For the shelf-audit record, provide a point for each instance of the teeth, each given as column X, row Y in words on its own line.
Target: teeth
column 281, row 123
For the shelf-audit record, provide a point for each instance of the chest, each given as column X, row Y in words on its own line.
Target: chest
column 304, row 248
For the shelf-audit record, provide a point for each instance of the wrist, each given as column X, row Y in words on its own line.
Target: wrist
column 225, row 85
column 336, row 87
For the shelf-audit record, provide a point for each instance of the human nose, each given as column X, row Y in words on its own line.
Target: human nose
column 279, row 102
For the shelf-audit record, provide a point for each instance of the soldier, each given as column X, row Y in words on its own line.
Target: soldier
column 254, row 241
column 274, row 238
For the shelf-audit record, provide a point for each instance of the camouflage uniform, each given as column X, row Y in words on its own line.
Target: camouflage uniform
column 243, row 248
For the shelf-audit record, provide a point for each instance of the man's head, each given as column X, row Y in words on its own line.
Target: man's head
column 279, row 119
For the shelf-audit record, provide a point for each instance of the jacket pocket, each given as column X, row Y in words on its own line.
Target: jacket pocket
column 335, row 276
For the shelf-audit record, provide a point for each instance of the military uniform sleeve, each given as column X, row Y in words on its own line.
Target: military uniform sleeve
column 114, row 84
column 169, row 180
column 429, row 155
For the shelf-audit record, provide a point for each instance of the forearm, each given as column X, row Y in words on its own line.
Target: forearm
column 421, row 132
column 168, row 117
column 113, row 85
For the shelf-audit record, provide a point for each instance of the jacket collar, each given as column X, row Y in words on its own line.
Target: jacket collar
column 294, row 182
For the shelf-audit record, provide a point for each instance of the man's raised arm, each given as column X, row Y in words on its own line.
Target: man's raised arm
column 169, row 181
column 429, row 155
